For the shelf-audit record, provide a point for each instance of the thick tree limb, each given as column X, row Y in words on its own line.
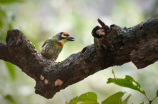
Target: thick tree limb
column 112, row 46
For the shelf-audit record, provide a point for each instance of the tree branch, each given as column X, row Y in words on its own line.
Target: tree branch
column 112, row 46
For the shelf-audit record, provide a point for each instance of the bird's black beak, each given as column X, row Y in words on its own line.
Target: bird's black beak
column 70, row 38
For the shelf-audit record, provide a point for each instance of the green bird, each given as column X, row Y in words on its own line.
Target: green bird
column 54, row 45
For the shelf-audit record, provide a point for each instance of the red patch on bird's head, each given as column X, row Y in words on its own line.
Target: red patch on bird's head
column 67, row 33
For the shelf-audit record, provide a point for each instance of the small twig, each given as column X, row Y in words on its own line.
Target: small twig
column 105, row 27
column 153, row 99
column 148, row 99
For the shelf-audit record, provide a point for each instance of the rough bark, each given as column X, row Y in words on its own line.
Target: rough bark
column 112, row 46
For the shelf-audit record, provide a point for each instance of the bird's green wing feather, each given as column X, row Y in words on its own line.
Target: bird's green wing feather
column 45, row 43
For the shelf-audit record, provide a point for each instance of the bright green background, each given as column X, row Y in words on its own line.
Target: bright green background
column 40, row 19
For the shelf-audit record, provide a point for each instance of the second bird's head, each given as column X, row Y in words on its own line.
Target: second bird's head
column 63, row 37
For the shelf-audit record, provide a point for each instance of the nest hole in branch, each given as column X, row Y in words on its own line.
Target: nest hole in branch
column 98, row 32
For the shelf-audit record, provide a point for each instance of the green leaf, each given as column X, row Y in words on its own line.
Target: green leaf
column 73, row 101
column 86, row 98
column 114, row 99
column 9, row 1
column 157, row 93
column 11, row 69
column 128, row 81
column 126, row 100
column 10, row 98
column 142, row 102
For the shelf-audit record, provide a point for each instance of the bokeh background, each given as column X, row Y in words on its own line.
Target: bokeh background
column 40, row 19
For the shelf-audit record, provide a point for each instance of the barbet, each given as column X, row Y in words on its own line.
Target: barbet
column 54, row 45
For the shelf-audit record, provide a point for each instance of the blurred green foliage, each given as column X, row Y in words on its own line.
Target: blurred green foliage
column 128, row 81
column 10, row 1
column 91, row 98
column 41, row 19
column 10, row 99
column 11, row 69
column 5, row 23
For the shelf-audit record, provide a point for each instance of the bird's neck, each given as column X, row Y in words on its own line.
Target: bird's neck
column 59, row 44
